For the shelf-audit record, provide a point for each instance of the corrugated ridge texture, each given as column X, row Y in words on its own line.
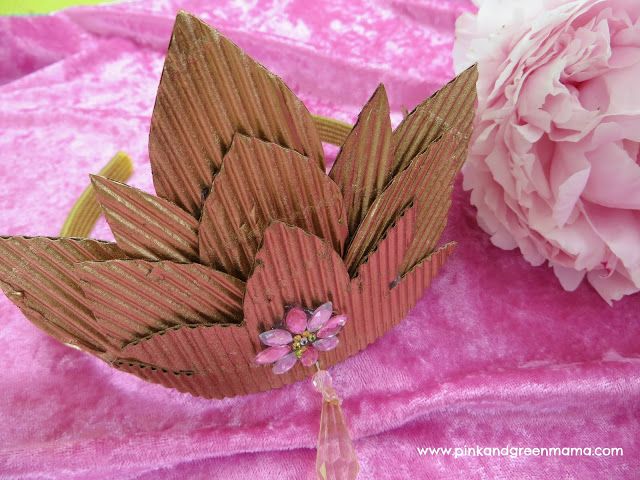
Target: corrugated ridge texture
column 363, row 167
column 219, row 358
column 295, row 268
column 425, row 182
column 413, row 283
column 331, row 130
column 372, row 305
column 258, row 183
column 38, row 275
column 146, row 226
column 209, row 90
column 449, row 109
column 433, row 197
column 134, row 298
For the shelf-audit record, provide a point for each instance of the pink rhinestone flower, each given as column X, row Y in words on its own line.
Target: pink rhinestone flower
column 303, row 335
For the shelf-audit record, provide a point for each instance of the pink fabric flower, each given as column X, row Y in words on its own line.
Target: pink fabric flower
column 304, row 334
column 554, row 162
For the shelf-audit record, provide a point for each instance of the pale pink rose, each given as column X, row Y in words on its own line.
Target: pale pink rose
column 554, row 162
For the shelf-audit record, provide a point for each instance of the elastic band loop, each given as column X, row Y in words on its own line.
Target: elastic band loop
column 86, row 211
column 331, row 130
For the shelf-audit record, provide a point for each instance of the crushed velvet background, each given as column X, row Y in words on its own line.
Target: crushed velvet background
column 495, row 354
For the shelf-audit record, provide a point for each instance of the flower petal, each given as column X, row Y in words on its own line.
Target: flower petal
column 309, row 357
column 285, row 364
column 326, row 344
column 276, row 337
column 296, row 320
column 332, row 327
column 320, row 316
column 272, row 354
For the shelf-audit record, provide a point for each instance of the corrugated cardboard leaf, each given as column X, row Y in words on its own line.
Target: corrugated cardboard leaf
column 381, row 297
column 132, row 299
column 413, row 284
column 145, row 226
column 210, row 361
column 296, row 268
column 363, row 167
column 427, row 182
column 210, row 90
column 449, row 109
column 38, row 275
column 258, row 183
column 382, row 267
column 293, row 267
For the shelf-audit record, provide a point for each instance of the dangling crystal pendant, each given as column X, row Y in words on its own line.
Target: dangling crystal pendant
column 336, row 458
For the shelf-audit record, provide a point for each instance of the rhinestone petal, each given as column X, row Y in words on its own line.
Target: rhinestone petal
column 320, row 316
column 296, row 320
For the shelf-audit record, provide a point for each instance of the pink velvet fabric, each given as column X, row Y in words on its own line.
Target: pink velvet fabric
column 495, row 354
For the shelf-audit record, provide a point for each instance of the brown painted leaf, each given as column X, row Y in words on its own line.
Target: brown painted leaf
column 428, row 183
column 415, row 282
column 37, row 274
column 296, row 268
column 372, row 311
column 382, row 267
column 132, row 299
column 381, row 297
column 209, row 361
column 210, row 90
column 145, row 226
column 259, row 183
column 363, row 167
column 449, row 109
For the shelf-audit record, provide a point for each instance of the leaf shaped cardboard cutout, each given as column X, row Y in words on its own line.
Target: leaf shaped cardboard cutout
column 132, row 299
column 427, row 182
column 450, row 109
column 38, row 275
column 261, row 182
column 209, row 91
column 146, row 226
column 363, row 167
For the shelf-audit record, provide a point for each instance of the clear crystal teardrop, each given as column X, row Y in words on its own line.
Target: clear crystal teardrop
column 336, row 458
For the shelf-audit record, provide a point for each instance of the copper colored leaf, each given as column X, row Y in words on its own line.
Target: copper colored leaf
column 293, row 267
column 411, row 287
column 259, row 183
column 428, row 183
column 382, row 268
column 384, row 306
column 296, row 268
column 210, row 90
column 146, row 226
column 132, row 299
column 210, row 361
column 37, row 274
column 374, row 310
column 449, row 109
column 363, row 166
column 381, row 297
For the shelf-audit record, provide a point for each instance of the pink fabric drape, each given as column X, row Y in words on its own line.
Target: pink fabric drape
column 496, row 354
